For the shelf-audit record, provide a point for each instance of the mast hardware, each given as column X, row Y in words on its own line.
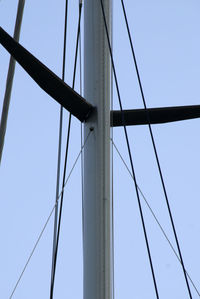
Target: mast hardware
column 77, row 105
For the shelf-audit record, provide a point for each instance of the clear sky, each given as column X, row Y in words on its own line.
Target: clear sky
column 166, row 36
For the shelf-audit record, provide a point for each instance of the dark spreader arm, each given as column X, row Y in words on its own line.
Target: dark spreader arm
column 77, row 105
column 154, row 115
column 46, row 79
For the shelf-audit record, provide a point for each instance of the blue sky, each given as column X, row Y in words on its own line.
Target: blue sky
column 167, row 44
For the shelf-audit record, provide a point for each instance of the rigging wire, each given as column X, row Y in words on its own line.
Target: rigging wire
column 66, row 157
column 154, row 216
column 59, row 142
column 155, row 151
column 10, row 76
column 81, row 125
column 130, row 155
column 51, row 213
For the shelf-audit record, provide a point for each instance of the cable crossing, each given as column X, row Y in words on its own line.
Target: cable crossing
column 154, row 216
column 130, row 155
column 155, row 151
column 59, row 143
column 65, row 163
column 49, row 217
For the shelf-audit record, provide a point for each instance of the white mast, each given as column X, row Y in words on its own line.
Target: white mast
column 97, row 211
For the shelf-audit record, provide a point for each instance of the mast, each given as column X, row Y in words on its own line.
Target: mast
column 97, row 203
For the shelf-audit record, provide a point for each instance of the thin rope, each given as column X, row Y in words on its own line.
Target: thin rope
column 130, row 155
column 154, row 216
column 47, row 221
column 91, row 129
column 66, row 157
column 155, row 151
column 59, row 142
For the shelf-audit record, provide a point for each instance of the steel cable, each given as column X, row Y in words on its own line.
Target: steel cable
column 10, row 77
column 47, row 221
column 130, row 155
column 59, row 142
column 65, row 163
column 155, row 151
column 155, row 217
column 81, row 128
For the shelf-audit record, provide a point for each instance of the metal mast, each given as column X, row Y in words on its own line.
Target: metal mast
column 94, row 111
column 97, row 212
